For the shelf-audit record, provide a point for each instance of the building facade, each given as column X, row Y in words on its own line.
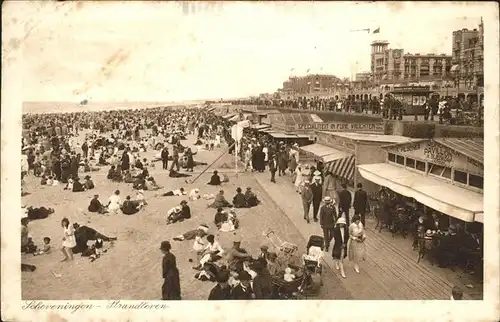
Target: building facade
column 312, row 85
column 468, row 58
column 394, row 66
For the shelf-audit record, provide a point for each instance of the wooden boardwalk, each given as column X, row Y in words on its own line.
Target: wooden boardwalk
column 390, row 271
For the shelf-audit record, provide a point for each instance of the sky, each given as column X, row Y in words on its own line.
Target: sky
column 165, row 52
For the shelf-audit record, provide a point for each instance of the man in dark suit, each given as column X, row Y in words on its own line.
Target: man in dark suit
column 327, row 219
column 273, row 166
column 360, row 203
column 164, row 157
column 345, row 200
column 317, row 191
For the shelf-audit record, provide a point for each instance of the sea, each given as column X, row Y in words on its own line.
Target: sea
column 72, row 107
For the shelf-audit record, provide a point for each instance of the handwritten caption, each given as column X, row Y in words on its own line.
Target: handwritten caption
column 75, row 307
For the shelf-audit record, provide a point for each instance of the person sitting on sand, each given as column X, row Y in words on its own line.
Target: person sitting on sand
column 251, row 198
column 220, row 201
column 38, row 213
column 111, row 173
column 43, row 180
column 69, row 185
column 215, row 179
column 220, row 217
column 78, row 186
column 96, row 205
column 129, row 206
column 174, row 215
column 175, row 174
column 83, row 234
column 114, row 202
column 49, row 181
column 186, row 210
column 87, row 167
column 231, row 223
column 141, row 200
column 201, row 230
column 151, row 184
column 88, row 183
column 239, row 200
column 102, row 160
column 194, row 194
column 139, row 184
column 179, row 192
column 127, row 177
column 45, row 248
column 212, row 252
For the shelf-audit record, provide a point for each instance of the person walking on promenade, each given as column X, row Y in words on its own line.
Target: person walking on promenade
column 330, row 187
column 307, row 198
column 341, row 238
column 345, row 200
column 327, row 218
column 171, row 288
column 273, row 165
column 360, row 203
column 317, row 191
column 164, row 157
column 356, row 246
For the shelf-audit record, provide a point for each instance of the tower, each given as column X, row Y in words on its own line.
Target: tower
column 378, row 58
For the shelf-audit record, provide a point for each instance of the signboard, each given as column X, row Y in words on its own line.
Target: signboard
column 430, row 151
column 341, row 127
column 336, row 142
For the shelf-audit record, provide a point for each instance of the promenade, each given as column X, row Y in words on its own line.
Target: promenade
column 390, row 272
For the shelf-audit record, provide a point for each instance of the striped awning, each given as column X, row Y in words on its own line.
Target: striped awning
column 343, row 168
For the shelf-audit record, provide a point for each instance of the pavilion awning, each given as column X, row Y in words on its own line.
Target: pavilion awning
column 437, row 194
column 326, row 153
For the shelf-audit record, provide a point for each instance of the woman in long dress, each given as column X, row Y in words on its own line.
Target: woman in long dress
column 69, row 240
column 171, row 288
column 341, row 237
column 298, row 177
column 356, row 246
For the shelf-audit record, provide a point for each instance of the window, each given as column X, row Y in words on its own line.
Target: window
column 475, row 181
column 410, row 163
column 435, row 169
column 460, row 176
column 447, row 173
column 392, row 157
column 400, row 159
column 420, row 166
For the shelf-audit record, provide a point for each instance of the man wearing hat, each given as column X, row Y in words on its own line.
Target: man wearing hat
column 88, row 183
column 317, row 192
column 221, row 291
column 236, row 255
column 273, row 167
column 307, row 198
column 242, row 291
column 345, row 200
column 327, row 218
column 360, row 203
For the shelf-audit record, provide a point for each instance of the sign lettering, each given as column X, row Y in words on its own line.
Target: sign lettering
column 374, row 127
column 438, row 153
column 475, row 163
column 406, row 148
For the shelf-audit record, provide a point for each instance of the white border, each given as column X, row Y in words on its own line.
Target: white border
column 488, row 309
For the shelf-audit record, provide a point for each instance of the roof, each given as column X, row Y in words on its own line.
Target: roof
column 397, row 139
column 472, row 148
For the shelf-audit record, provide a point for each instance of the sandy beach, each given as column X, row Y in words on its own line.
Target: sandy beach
column 131, row 269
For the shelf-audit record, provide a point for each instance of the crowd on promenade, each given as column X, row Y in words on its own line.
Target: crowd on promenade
column 445, row 110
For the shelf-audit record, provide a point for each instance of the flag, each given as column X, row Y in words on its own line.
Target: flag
column 376, row 31
column 307, row 71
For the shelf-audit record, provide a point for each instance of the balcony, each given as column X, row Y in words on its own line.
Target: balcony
column 429, row 78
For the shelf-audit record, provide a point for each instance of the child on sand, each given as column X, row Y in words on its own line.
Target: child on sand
column 45, row 248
